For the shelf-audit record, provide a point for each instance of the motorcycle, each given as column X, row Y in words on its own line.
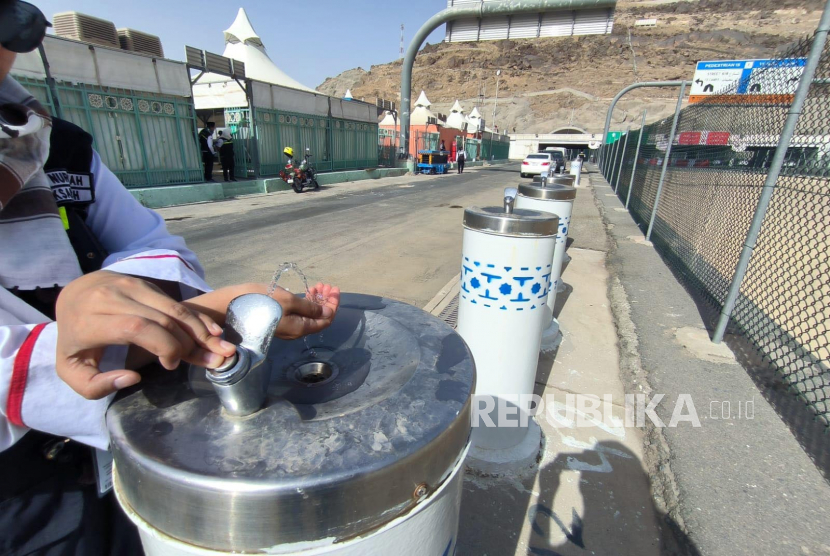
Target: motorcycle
column 302, row 176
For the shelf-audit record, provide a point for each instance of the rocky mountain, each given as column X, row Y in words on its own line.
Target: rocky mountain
column 550, row 83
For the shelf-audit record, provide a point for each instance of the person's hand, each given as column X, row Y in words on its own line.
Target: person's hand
column 104, row 309
column 300, row 317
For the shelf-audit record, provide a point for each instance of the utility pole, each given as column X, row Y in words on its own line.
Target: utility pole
column 401, row 53
column 633, row 56
column 495, row 102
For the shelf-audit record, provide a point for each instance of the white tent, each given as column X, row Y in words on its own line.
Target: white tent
column 348, row 95
column 388, row 120
column 474, row 121
column 456, row 118
column 423, row 100
column 243, row 44
column 421, row 113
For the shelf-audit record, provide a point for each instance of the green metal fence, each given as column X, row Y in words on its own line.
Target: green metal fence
column 472, row 148
column 244, row 147
column 354, row 145
column 145, row 139
column 148, row 139
column 425, row 141
column 387, row 147
column 494, row 150
column 335, row 144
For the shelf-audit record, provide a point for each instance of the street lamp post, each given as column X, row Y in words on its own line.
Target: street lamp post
column 495, row 102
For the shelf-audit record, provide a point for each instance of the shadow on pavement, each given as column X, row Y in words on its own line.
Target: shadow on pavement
column 561, row 299
column 593, row 501
column 811, row 435
column 615, row 493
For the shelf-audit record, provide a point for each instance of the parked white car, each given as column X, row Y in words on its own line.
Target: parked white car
column 535, row 164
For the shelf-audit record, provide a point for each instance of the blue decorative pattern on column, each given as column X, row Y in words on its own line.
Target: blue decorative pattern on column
column 515, row 289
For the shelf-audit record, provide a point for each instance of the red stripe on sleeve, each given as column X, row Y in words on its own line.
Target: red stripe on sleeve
column 160, row 257
column 20, row 374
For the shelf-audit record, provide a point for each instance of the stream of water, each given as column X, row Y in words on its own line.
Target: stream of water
column 318, row 298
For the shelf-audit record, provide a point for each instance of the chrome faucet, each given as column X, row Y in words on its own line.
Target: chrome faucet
column 241, row 382
column 510, row 199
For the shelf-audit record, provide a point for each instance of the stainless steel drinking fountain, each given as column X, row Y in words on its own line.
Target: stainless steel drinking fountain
column 355, row 449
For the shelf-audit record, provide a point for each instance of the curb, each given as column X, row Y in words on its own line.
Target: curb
column 175, row 195
column 444, row 296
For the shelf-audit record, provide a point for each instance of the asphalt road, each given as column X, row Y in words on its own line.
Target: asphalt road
column 396, row 237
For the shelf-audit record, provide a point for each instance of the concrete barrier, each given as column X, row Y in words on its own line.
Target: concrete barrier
column 331, row 178
column 159, row 197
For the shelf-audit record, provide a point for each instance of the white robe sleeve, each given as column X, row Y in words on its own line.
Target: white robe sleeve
column 136, row 237
column 31, row 394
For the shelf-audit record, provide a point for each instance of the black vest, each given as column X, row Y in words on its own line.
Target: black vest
column 69, row 169
column 48, row 497
column 203, row 140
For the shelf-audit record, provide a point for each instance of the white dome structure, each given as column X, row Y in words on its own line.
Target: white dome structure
column 423, row 100
column 474, row 120
column 243, row 44
column 422, row 113
column 456, row 118
column 388, row 120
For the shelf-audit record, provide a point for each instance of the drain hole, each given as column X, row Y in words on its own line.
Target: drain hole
column 314, row 372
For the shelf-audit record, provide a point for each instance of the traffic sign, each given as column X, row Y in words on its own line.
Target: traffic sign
column 612, row 136
column 747, row 81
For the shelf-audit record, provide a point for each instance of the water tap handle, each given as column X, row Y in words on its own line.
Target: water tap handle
column 510, row 199
column 241, row 382
column 251, row 322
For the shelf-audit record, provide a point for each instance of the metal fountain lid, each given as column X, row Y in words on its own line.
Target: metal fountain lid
column 553, row 192
column 563, row 180
column 362, row 422
column 520, row 222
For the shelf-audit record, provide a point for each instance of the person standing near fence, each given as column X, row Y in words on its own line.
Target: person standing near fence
column 460, row 158
column 226, row 158
column 208, row 153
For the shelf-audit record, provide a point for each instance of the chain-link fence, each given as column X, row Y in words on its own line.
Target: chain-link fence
column 718, row 162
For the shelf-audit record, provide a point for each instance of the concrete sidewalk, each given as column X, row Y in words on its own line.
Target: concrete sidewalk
column 739, row 483
column 590, row 492
column 742, row 482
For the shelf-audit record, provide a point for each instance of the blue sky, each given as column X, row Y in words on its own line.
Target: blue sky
column 309, row 40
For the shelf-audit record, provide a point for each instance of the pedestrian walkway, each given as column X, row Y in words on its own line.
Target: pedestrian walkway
column 742, row 482
column 739, row 483
column 589, row 493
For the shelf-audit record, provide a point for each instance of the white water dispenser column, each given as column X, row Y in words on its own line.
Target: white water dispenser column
column 554, row 199
column 506, row 265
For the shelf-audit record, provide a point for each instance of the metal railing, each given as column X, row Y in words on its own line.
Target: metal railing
column 735, row 195
column 146, row 139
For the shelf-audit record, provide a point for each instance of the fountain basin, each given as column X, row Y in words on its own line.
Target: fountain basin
column 362, row 424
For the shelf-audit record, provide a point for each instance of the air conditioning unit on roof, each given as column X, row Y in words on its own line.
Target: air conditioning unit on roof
column 82, row 27
column 138, row 41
